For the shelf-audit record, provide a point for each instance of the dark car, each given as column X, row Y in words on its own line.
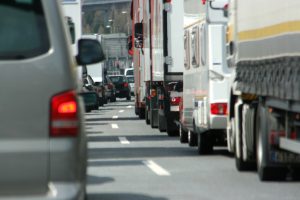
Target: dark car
column 122, row 86
column 90, row 100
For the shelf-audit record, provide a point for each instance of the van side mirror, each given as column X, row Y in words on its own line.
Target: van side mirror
column 89, row 52
column 138, row 35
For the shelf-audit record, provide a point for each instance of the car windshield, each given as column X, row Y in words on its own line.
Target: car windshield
column 129, row 72
column 117, row 79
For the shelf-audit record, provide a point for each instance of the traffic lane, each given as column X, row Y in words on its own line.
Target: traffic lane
column 191, row 176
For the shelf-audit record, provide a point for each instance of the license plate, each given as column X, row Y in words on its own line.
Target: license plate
column 175, row 108
column 284, row 157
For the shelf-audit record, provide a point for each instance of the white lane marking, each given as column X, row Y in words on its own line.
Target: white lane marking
column 121, row 111
column 124, row 140
column 156, row 168
column 115, row 117
column 129, row 106
column 114, row 126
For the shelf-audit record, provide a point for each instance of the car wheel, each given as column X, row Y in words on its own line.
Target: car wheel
column 183, row 135
column 192, row 139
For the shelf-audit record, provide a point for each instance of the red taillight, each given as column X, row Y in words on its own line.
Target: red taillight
column 63, row 119
column 125, row 84
column 168, row 1
column 218, row 108
column 175, row 101
column 203, row 2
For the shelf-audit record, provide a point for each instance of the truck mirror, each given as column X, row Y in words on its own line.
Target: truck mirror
column 89, row 52
column 138, row 35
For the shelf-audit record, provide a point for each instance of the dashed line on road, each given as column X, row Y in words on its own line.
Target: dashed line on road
column 115, row 117
column 115, row 126
column 129, row 106
column 121, row 111
column 124, row 140
column 156, row 168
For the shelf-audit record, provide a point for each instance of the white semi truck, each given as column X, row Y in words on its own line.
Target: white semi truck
column 160, row 25
column 205, row 79
column 263, row 40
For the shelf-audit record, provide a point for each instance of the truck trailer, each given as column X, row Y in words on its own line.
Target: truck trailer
column 263, row 47
column 159, row 49
column 206, row 77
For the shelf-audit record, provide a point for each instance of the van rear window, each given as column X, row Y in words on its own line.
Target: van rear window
column 23, row 30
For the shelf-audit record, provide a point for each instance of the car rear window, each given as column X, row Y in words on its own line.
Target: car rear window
column 117, row 79
column 23, row 32
column 129, row 72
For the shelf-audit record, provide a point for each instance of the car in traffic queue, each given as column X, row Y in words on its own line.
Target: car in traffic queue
column 43, row 150
column 130, row 79
column 122, row 86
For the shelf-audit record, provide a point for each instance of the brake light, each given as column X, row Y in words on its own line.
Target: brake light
column 218, row 108
column 203, row 2
column 63, row 115
column 175, row 101
column 125, row 84
column 168, row 1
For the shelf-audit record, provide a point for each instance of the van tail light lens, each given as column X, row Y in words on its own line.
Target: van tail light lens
column 218, row 108
column 175, row 101
column 125, row 84
column 64, row 115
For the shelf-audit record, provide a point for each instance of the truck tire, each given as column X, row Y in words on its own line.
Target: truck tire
column 153, row 120
column 230, row 136
column 136, row 110
column 147, row 117
column 141, row 113
column 183, row 135
column 161, row 123
column 205, row 143
column 192, row 139
column 266, row 171
column 171, row 127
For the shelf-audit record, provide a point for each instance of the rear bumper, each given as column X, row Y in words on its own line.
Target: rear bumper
column 57, row 190
column 122, row 93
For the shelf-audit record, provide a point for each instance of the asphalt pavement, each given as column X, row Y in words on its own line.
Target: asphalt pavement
column 128, row 160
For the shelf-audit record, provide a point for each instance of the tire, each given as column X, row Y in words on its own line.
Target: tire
column 128, row 97
column 113, row 99
column 192, row 139
column 205, row 143
column 136, row 110
column 105, row 100
column 172, row 129
column 147, row 117
column 142, row 113
column 230, row 136
column 266, row 171
column 161, row 123
column 152, row 120
column 183, row 135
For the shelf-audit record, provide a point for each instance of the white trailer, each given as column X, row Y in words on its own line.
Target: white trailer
column 263, row 40
column 206, row 77
column 72, row 9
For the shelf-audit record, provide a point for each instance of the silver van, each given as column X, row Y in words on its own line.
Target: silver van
column 42, row 139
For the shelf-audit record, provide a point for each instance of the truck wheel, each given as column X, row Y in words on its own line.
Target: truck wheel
column 192, row 139
column 264, row 168
column 172, row 129
column 153, row 120
column 230, row 136
column 147, row 116
column 161, row 123
column 136, row 110
column 141, row 113
column 205, row 143
column 183, row 135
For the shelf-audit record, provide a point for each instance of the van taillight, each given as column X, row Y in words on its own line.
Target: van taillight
column 125, row 84
column 218, row 108
column 64, row 115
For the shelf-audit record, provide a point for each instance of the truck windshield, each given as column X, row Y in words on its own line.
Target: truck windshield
column 23, row 29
